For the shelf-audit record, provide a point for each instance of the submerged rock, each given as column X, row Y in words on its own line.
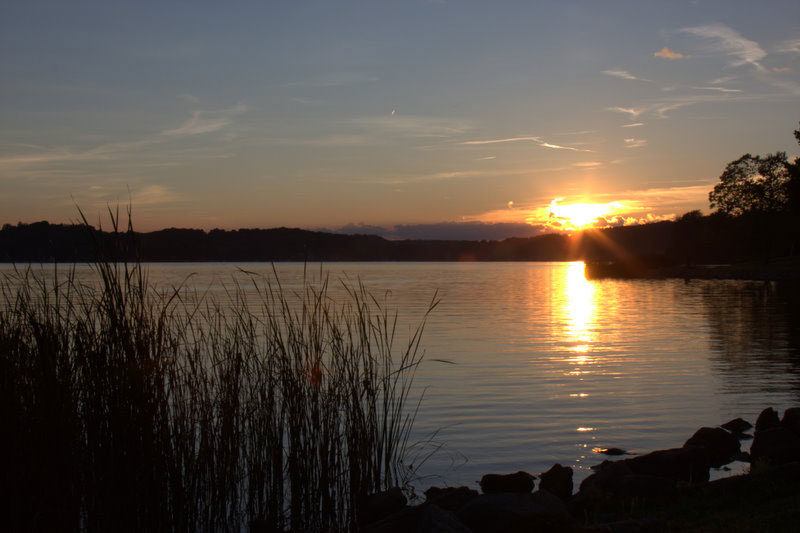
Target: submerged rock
column 519, row 482
column 450, row 498
column 557, row 480
column 719, row 446
column 737, row 425
column 767, row 419
column 613, row 451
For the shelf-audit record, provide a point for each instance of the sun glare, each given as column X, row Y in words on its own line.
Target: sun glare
column 580, row 215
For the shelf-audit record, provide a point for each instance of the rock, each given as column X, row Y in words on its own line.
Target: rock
column 424, row 518
column 687, row 465
column 640, row 486
column 791, row 420
column 519, row 482
column 618, row 479
column 450, row 498
column 718, row 445
column 775, row 446
column 607, row 477
column 737, row 425
column 767, row 419
column 380, row 505
column 613, row 451
column 539, row 511
column 557, row 480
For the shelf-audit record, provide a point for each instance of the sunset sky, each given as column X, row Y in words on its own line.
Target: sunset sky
column 411, row 119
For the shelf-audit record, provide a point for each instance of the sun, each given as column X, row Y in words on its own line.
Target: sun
column 580, row 215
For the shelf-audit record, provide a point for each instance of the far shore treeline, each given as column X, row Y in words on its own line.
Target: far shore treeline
column 691, row 239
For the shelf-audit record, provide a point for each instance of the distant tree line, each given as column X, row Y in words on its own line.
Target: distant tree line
column 693, row 238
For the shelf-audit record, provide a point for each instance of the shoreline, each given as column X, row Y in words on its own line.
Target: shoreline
column 664, row 490
column 632, row 270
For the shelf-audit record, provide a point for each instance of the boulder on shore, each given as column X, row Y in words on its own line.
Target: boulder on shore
column 557, row 480
column 719, row 446
column 423, row 518
column 450, row 498
column 538, row 511
column 685, row 465
column 775, row 446
column 377, row 506
column 767, row 419
column 518, row 482
column 791, row 420
column 737, row 426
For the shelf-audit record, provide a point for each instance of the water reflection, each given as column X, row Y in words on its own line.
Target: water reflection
column 579, row 302
column 755, row 334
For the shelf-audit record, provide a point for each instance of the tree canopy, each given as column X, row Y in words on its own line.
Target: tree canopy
column 756, row 184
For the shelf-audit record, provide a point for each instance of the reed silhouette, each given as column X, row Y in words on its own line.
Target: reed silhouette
column 126, row 407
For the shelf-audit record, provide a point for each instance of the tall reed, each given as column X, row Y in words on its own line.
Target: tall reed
column 125, row 407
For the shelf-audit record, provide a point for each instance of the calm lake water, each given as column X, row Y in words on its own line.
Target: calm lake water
column 543, row 366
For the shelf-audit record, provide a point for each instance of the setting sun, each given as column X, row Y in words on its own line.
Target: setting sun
column 579, row 215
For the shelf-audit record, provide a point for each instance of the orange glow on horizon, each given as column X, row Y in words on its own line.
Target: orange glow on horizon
column 582, row 215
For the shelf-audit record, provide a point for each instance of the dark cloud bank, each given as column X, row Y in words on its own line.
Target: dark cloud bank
column 450, row 231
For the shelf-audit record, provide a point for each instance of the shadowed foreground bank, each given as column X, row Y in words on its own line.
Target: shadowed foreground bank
column 127, row 408
column 664, row 490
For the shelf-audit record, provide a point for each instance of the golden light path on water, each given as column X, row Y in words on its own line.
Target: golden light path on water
column 578, row 309
column 579, row 303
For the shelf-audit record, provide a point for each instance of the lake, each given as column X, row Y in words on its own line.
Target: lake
column 528, row 364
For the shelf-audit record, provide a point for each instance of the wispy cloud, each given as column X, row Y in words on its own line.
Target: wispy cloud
column 632, row 111
column 730, row 42
column 718, row 89
column 633, row 125
column 207, row 121
column 724, row 79
column 666, row 53
column 624, row 74
column 781, row 69
column 527, row 138
column 199, row 123
column 658, row 109
column 153, row 194
column 487, row 158
column 506, row 140
column 413, row 126
column 635, row 143
column 791, row 46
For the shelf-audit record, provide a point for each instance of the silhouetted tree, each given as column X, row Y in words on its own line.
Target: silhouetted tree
column 756, row 184
column 794, row 180
column 753, row 184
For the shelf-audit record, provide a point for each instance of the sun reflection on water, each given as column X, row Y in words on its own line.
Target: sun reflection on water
column 579, row 311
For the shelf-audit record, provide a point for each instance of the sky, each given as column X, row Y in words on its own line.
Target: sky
column 411, row 119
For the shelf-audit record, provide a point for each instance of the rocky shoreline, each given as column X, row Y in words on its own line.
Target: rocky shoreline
column 664, row 490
